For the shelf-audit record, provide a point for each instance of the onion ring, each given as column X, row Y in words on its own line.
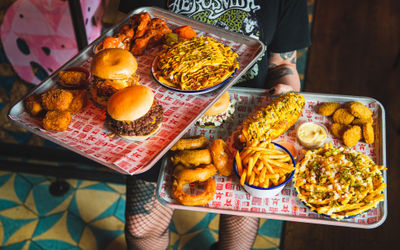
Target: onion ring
column 199, row 174
column 191, row 143
column 194, row 157
column 194, row 200
column 222, row 157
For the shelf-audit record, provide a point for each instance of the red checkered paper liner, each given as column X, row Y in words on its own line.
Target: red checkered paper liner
column 86, row 133
column 231, row 198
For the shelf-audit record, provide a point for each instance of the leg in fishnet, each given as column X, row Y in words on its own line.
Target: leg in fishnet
column 146, row 220
column 237, row 232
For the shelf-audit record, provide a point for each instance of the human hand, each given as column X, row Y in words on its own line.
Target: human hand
column 282, row 88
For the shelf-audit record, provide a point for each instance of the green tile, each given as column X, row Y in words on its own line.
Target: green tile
column 22, row 187
column 11, row 226
column 45, row 223
column 75, row 226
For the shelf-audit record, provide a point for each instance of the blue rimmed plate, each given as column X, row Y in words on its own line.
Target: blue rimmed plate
column 200, row 91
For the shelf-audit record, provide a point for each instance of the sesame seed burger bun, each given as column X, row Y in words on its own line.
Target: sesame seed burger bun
column 130, row 103
column 114, row 63
column 220, row 106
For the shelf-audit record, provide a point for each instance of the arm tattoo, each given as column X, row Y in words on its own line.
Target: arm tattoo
column 286, row 55
column 294, row 60
column 277, row 73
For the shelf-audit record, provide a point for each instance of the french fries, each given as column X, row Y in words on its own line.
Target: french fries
column 339, row 190
column 263, row 165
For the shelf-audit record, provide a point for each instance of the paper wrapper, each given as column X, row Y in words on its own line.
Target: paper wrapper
column 231, row 198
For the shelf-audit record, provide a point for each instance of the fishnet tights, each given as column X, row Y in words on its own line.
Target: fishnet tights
column 147, row 221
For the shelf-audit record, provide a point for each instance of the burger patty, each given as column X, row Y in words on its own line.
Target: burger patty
column 142, row 126
column 107, row 87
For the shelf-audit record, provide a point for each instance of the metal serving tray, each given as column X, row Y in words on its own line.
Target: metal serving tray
column 86, row 134
column 231, row 198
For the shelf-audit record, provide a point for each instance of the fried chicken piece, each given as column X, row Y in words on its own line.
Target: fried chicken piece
column 342, row 116
column 156, row 31
column 140, row 23
column 126, row 31
column 360, row 121
column 140, row 45
column 33, row 105
column 72, row 79
column 328, row 108
column 109, row 42
column 368, row 133
column 338, row 129
column 161, row 28
column 57, row 120
column 352, row 135
column 57, row 99
column 359, row 110
column 78, row 102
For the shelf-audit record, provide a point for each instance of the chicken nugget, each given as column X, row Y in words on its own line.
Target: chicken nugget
column 352, row 135
column 338, row 129
column 342, row 116
column 72, row 78
column 78, row 102
column 368, row 133
column 57, row 120
column 57, row 99
column 328, row 108
column 359, row 110
column 360, row 121
column 33, row 105
column 192, row 157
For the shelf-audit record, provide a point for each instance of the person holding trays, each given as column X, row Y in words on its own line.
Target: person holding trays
column 283, row 26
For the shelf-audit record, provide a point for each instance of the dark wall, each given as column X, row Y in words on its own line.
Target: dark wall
column 356, row 51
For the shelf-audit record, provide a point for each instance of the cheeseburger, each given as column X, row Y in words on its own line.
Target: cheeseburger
column 222, row 109
column 134, row 113
column 112, row 69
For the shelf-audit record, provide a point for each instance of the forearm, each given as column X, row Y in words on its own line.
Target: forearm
column 283, row 75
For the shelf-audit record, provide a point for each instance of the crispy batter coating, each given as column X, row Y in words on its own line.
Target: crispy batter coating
column 153, row 35
column 352, row 135
column 338, row 129
column 78, row 102
column 194, row 200
column 195, row 142
column 57, row 120
column 194, row 157
column 57, row 99
column 72, row 79
column 342, row 116
column 360, row 121
column 359, row 110
column 368, row 133
column 33, row 105
column 222, row 157
column 328, row 108
column 189, row 175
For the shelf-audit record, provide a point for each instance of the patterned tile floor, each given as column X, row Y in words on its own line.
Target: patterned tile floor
column 91, row 216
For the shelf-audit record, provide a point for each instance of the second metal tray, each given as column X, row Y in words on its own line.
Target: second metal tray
column 231, row 198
